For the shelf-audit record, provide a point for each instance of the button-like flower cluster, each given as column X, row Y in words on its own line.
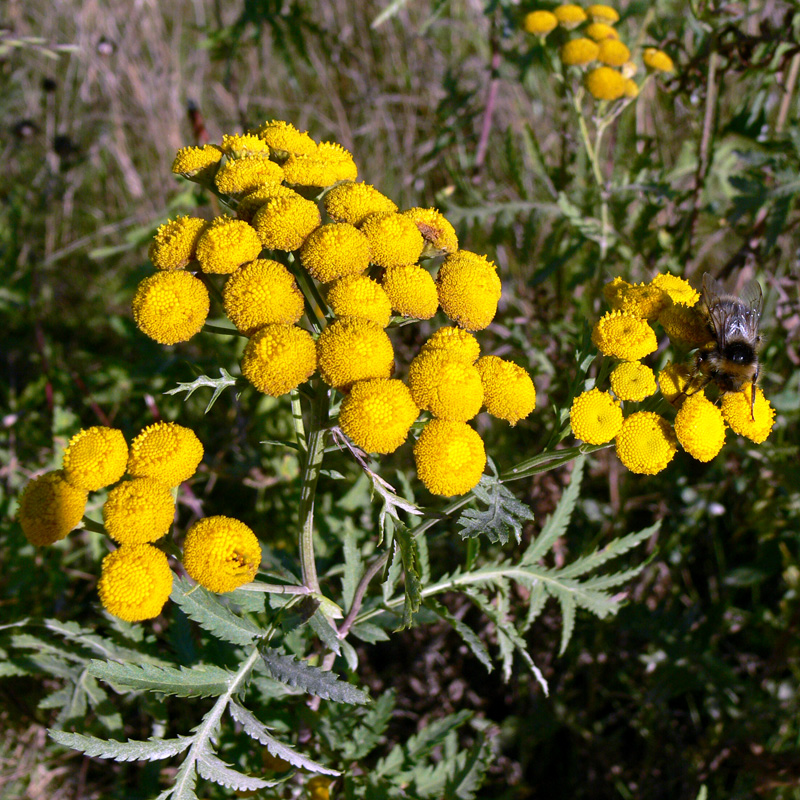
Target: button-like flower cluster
column 605, row 63
column 645, row 440
column 302, row 220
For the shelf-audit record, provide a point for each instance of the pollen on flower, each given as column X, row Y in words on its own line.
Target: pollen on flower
column 612, row 53
column 377, row 414
column 285, row 140
column 469, row 289
column 243, row 175
column 262, row 292
column 454, row 343
column 335, row 250
column 679, row 290
column 394, row 240
column 633, row 381
column 450, row 457
column 596, row 417
column 135, row 582
column 439, row 235
column 170, row 307
column 540, row 23
column 646, row 443
column 687, row 327
column 354, row 202
column 579, row 52
column 673, row 380
column 241, row 145
column 645, row 301
column 328, row 164
column 284, row 223
column 49, row 508
column 738, row 413
column 599, row 31
column 700, row 427
column 411, row 291
column 165, row 451
column 447, row 388
column 569, row 15
column 605, row 83
column 278, row 358
column 657, row 60
column 175, row 242
column 221, row 553
column 138, row 511
column 197, row 163
column 360, row 296
column 95, row 458
column 226, row 244
column 508, row 391
column 351, row 350
column 251, row 202
column 624, row 336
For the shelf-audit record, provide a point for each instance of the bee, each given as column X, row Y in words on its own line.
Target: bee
column 730, row 359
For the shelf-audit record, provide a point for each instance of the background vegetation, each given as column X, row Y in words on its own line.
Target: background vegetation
column 695, row 683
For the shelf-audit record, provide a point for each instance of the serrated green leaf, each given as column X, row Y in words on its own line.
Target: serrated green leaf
column 203, row 681
column 353, row 565
column 207, row 611
column 613, row 549
column 411, row 583
column 368, row 734
column 567, row 602
column 217, row 384
column 261, row 733
column 469, row 636
column 504, row 514
column 151, row 750
column 287, row 669
column 469, row 771
column 212, row 768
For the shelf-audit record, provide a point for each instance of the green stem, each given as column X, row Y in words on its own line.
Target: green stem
column 314, row 455
column 225, row 331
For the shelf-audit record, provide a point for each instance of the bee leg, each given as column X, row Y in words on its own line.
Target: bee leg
column 753, row 396
column 687, row 393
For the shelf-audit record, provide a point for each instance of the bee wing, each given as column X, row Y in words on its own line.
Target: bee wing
column 713, row 290
column 733, row 316
column 752, row 297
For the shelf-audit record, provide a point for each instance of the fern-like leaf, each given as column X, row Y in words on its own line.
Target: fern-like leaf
column 217, row 384
column 469, row 636
column 503, row 515
column 132, row 750
column 202, row 681
column 214, row 769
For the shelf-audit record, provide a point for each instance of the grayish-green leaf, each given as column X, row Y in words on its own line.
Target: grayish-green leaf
column 214, row 769
column 469, row 636
column 203, row 681
column 151, row 750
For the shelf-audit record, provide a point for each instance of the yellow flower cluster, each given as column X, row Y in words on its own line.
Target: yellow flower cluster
column 596, row 42
column 645, row 441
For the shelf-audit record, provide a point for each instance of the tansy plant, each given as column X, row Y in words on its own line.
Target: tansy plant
column 315, row 274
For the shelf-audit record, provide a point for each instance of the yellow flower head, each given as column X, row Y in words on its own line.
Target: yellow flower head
column 646, row 443
column 700, row 427
column 262, row 292
column 394, row 240
column 284, row 223
column 251, row 202
column 226, row 244
column 469, row 289
column 604, row 83
column 633, row 381
column 613, row 53
column 165, row 451
column 197, row 163
column 737, row 412
column 508, row 391
column 624, row 336
column 49, row 508
column 599, row 31
column 687, row 327
column 657, row 60
column 285, row 140
column 135, row 582
column 360, row 296
column 454, row 343
column 175, row 242
column 318, row 788
column 241, row 145
column 335, row 250
column 631, row 88
column 411, row 291
column 351, row 350
column 221, row 553
column 354, row 202
column 278, row 358
column 138, row 511
column 679, row 290
column 448, row 389
column 170, row 307
column 439, row 235
column 579, row 52
column 540, row 23
column 641, row 300
column 569, row 15
column 328, row 164
column 95, row 458
column 604, row 14
column 596, row 417
column 377, row 414
column 673, row 380
column 243, row 175
column 450, row 457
